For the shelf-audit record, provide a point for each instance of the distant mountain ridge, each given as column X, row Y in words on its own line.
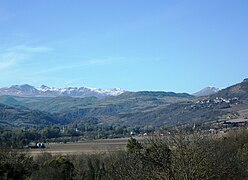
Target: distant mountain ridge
column 206, row 91
column 45, row 91
column 130, row 108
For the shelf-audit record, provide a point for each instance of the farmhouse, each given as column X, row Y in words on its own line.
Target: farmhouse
column 36, row 145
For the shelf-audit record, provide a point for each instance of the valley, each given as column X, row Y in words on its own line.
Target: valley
column 127, row 109
column 27, row 119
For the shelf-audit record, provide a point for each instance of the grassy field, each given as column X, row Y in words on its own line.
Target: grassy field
column 88, row 147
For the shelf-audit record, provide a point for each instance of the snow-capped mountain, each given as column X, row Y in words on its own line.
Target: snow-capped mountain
column 206, row 91
column 45, row 91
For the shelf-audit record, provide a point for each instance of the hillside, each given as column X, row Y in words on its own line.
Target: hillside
column 158, row 108
column 21, row 117
column 114, row 109
column 60, row 104
column 239, row 90
column 240, row 93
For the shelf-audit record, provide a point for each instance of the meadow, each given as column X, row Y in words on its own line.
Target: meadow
column 86, row 147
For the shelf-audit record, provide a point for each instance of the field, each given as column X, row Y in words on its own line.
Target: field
column 88, row 147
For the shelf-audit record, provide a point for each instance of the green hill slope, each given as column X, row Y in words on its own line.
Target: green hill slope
column 10, row 116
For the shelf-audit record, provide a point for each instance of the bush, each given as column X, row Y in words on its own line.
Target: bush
column 15, row 165
column 56, row 168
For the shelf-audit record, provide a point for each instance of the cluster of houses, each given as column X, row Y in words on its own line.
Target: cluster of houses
column 215, row 102
column 218, row 100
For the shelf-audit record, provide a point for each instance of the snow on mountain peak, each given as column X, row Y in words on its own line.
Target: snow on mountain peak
column 45, row 91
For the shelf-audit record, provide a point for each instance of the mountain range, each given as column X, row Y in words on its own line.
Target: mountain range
column 45, row 91
column 128, row 108
column 26, row 90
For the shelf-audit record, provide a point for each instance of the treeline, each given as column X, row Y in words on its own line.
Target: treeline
column 178, row 156
column 17, row 138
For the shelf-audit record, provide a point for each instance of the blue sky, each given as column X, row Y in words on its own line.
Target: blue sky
column 169, row 45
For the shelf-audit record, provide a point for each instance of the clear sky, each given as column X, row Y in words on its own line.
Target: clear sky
column 169, row 45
